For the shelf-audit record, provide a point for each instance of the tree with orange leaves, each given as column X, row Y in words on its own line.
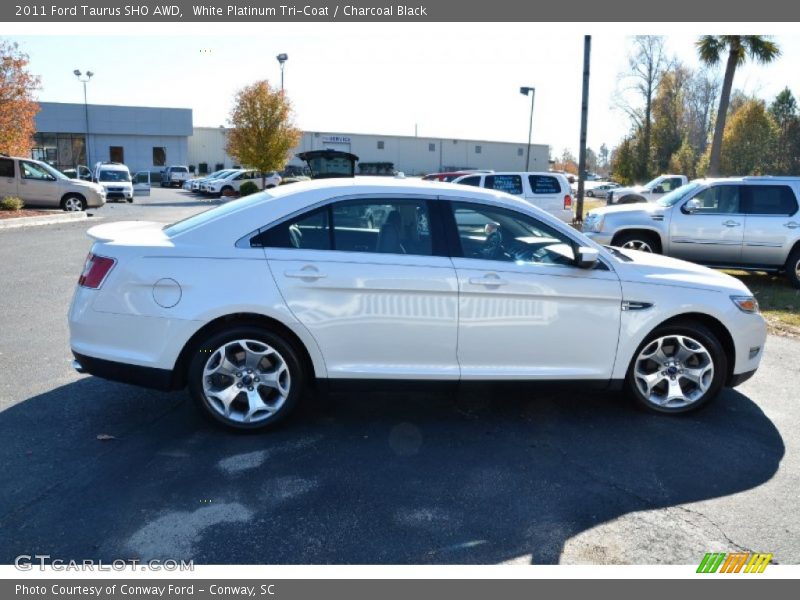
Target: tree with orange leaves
column 18, row 106
column 263, row 131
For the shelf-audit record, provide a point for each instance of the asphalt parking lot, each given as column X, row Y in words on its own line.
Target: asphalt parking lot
column 371, row 477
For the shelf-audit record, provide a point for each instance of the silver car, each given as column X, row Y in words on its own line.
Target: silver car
column 749, row 223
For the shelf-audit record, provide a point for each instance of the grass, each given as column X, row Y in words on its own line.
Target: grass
column 779, row 301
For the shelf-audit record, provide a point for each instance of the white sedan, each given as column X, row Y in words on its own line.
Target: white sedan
column 253, row 302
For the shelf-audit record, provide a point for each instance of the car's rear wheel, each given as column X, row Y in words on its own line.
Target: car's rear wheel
column 73, row 203
column 638, row 240
column 678, row 368
column 793, row 267
column 590, row 193
column 246, row 377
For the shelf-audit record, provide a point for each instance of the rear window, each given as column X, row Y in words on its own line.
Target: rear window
column 471, row 181
column 510, row 184
column 771, row 200
column 209, row 215
column 544, row 184
column 180, row 169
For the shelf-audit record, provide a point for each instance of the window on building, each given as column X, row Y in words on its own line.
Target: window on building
column 380, row 145
column 116, row 154
column 520, row 152
column 478, row 149
column 159, row 156
column 431, row 147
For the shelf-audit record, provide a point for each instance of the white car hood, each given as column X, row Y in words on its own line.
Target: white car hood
column 644, row 207
column 656, row 269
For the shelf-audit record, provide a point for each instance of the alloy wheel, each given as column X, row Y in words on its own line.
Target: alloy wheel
column 73, row 204
column 673, row 371
column 246, row 381
column 640, row 245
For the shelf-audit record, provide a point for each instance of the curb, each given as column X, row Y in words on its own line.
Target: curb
column 65, row 217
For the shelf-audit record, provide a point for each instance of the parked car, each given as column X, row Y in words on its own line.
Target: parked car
column 115, row 179
column 39, row 184
column 426, row 296
column 549, row 191
column 199, row 181
column 601, row 190
column 230, row 183
column 174, row 176
column 749, row 223
column 649, row 192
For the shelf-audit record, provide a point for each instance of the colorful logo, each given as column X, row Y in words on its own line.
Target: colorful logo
column 744, row 562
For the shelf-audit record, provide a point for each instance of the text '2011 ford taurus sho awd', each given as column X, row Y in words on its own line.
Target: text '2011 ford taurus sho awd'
column 251, row 303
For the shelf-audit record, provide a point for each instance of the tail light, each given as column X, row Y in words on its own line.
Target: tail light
column 567, row 202
column 95, row 271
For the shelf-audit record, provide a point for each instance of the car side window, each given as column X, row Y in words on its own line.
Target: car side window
column 770, row 200
column 510, row 184
column 309, row 231
column 719, row 200
column 6, row 167
column 544, row 184
column 476, row 181
column 382, row 226
column 491, row 233
column 34, row 171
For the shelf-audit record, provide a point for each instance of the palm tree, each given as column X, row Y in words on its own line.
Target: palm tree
column 711, row 49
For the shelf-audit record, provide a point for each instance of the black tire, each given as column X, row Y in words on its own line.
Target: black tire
column 637, row 239
column 269, row 187
column 226, row 191
column 590, row 193
column 697, row 332
column 793, row 267
column 258, row 333
column 72, row 198
column 130, row 200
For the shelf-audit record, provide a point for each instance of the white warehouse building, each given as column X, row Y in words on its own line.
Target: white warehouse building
column 378, row 154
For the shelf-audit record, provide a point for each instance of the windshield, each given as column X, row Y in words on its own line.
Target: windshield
column 54, row 172
column 676, row 194
column 114, row 175
column 204, row 217
column 180, row 169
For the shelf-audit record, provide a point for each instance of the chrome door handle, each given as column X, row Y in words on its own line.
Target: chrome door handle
column 487, row 280
column 791, row 225
column 731, row 223
column 305, row 273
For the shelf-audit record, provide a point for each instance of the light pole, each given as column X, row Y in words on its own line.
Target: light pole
column 525, row 91
column 84, row 80
column 282, row 58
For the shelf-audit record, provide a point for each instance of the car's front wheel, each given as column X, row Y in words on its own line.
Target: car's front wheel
column 246, row 377
column 73, row 203
column 678, row 368
column 793, row 267
column 638, row 240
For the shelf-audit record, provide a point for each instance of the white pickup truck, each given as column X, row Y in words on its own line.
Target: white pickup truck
column 649, row 192
column 174, row 175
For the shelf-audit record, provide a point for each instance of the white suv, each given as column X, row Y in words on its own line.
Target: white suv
column 39, row 184
column 252, row 302
column 548, row 191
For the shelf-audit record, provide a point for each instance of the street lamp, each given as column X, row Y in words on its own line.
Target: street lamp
column 525, row 91
column 282, row 58
column 84, row 80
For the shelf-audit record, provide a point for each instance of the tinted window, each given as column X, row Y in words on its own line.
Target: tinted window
column 544, row 184
column 491, row 233
column 6, row 167
column 309, row 231
column 387, row 227
column 471, row 181
column 771, row 200
column 510, row 184
column 723, row 199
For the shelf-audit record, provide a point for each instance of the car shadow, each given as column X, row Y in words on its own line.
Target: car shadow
column 95, row 469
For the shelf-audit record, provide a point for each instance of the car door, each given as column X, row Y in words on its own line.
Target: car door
column 772, row 224
column 525, row 310
column 141, row 183
column 8, row 178
column 381, row 302
column 713, row 232
column 36, row 185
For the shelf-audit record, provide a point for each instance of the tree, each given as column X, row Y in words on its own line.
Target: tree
column 711, row 48
column 603, row 158
column 18, row 106
column 591, row 161
column 624, row 161
column 669, row 116
column 567, row 162
column 749, row 140
column 684, row 160
column 701, row 98
column 787, row 149
column 646, row 65
column 263, row 131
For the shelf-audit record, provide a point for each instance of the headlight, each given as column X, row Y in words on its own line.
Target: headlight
column 747, row 304
column 594, row 223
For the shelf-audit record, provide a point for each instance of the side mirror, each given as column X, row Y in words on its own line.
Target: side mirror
column 658, row 190
column 692, row 205
column 587, row 257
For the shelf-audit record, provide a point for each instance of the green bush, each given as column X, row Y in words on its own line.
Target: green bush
column 11, row 203
column 247, row 188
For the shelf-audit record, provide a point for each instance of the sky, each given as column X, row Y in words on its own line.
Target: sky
column 446, row 80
